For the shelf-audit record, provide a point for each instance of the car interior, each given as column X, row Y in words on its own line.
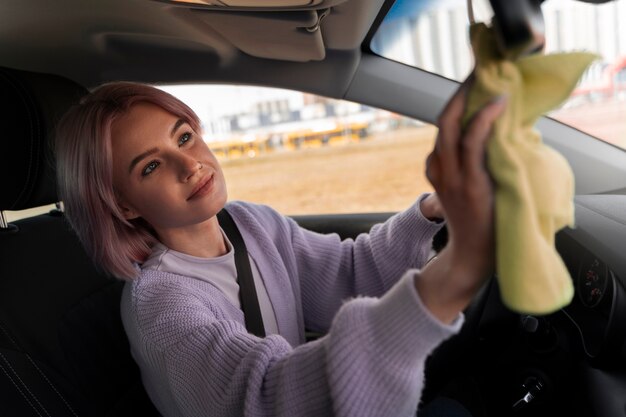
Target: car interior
column 63, row 351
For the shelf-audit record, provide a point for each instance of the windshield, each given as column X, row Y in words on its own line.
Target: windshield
column 432, row 35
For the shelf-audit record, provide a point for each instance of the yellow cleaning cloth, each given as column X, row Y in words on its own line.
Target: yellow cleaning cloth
column 534, row 185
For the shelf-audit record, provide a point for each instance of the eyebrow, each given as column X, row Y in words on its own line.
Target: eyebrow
column 178, row 124
column 140, row 157
column 151, row 151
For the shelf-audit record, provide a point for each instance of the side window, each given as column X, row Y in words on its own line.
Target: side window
column 306, row 154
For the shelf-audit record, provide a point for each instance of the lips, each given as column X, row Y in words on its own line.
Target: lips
column 202, row 188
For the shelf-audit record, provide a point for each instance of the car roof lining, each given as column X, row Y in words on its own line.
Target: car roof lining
column 154, row 41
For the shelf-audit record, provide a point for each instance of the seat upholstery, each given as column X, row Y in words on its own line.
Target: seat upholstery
column 63, row 351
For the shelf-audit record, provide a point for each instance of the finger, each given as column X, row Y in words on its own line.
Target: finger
column 449, row 121
column 475, row 139
column 454, row 108
column 450, row 130
column 456, row 102
column 456, row 105
column 432, row 169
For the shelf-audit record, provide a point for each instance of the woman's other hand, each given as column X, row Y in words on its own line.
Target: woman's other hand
column 432, row 209
column 457, row 170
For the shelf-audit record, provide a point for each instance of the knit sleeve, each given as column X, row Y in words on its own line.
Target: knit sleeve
column 331, row 270
column 369, row 364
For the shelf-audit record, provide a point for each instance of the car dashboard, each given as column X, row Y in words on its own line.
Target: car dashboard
column 570, row 362
column 593, row 251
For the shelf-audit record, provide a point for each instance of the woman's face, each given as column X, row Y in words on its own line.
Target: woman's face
column 163, row 171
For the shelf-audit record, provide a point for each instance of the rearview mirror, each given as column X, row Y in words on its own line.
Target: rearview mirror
column 519, row 27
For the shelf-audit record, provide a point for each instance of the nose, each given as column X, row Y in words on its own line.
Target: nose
column 189, row 166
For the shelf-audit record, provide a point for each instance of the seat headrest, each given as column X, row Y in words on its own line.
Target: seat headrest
column 30, row 106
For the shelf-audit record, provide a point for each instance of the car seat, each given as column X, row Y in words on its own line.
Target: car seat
column 63, row 351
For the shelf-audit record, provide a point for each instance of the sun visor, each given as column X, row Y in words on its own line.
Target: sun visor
column 275, row 29
column 291, row 36
column 257, row 4
column 271, row 3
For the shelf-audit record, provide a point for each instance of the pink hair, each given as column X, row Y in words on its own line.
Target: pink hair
column 85, row 179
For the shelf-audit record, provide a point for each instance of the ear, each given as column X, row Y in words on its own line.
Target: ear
column 128, row 212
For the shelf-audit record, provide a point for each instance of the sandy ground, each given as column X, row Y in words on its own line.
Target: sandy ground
column 384, row 172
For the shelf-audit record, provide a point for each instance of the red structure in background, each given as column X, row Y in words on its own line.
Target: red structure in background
column 610, row 83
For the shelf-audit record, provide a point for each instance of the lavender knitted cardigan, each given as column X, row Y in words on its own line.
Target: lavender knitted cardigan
column 197, row 359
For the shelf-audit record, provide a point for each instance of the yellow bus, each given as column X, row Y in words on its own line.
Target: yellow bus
column 316, row 138
column 251, row 146
column 240, row 147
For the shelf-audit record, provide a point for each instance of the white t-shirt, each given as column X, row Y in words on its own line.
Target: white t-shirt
column 220, row 271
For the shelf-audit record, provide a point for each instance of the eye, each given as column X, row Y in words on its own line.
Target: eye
column 147, row 170
column 184, row 138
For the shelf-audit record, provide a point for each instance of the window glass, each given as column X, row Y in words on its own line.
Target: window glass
column 432, row 35
column 306, row 154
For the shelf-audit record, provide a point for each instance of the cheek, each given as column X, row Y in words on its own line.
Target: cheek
column 218, row 168
column 210, row 157
column 204, row 150
column 123, row 194
column 159, row 212
column 147, row 198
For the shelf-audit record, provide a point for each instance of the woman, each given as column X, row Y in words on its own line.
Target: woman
column 142, row 190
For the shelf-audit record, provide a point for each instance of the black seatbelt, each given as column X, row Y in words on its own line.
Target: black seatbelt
column 247, row 292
